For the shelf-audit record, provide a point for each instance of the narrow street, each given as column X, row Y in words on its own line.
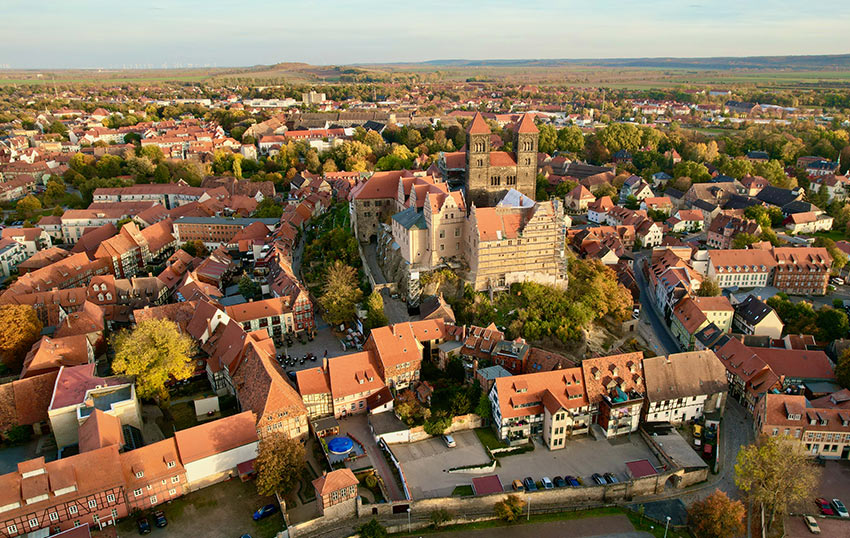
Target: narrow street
column 648, row 312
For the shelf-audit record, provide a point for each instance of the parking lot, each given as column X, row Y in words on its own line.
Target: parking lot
column 426, row 463
column 581, row 457
column 834, row 484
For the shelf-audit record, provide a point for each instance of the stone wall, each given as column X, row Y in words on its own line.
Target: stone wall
column 459, row 423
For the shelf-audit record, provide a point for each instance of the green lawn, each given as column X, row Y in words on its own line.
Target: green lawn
column 488, row 438
column 835, row 235
column 463, row 491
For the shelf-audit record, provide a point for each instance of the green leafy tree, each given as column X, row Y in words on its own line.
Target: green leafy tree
column 439, row 517
column 437, row 425
column 696, row 171
column 340, row 293
column 154, row 352
column 372, row 529
column 280, row 462
column 268, row 209
column 375, row 316
column 775, row 473
column 839, row 259
column 248, row 288
column 832, row 324
column 196, row 248
column 708, row 288
column 743, row 240
column 842, row 369
column 510, row 509
column 27, row 207
column 717, row 516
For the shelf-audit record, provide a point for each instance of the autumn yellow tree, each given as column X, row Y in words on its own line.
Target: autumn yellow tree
column 280, row 461
column 154, row 352
column 717, row 516
column 340, row 293
column 19, row 329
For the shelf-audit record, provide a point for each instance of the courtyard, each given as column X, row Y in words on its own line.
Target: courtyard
column 223, row 510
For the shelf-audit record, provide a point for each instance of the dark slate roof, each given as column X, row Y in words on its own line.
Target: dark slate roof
column 411, row 218
column 704, row 205
column 752, row 310
column 673, row 193
column 798, row 206
column 722, row 178
column 622, row 154
column 708, row 335
column 737, row 201
column 583, row 170
column 758, row 155
column 661, row 175
column 776, row 196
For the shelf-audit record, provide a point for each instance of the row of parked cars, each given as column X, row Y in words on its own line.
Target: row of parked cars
column 529, row 484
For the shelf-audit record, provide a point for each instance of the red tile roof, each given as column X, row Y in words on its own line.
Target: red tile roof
column 216, row 437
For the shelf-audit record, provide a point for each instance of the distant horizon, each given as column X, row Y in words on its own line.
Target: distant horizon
column 434, row 61
column 98, row 34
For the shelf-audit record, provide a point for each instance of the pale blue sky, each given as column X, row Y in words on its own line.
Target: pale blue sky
column 157, row 33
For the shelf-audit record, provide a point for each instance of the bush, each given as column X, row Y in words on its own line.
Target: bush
column 371, row 481
column 437, row 425
column 510, row 509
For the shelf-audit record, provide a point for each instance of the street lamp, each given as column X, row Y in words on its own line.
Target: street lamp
column 666, row 526
column 408, row 520
column 528, row 517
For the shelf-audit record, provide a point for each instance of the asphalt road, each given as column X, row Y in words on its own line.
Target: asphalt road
column 648, row 311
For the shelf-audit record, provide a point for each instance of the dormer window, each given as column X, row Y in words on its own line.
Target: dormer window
column 140, row 474
column 170, row 464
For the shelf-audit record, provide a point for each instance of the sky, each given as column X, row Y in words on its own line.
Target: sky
column 42, row 34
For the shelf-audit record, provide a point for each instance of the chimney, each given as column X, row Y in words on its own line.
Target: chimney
column 325, row 364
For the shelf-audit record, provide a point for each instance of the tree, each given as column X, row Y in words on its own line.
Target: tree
column 196, row 248
column 510, row 509
column 373, row 529
column 248, row 288
column 375, row 316
column 55, row 190
column 19, row 330
column 717, row 516
column 775, row 473
column 842, row 369
column 437, row 425
column 154, row 352
column 440, row 516
column 280, row 461
column 832, row 323
column 696, row 171
column 708, row 288
column 340, row 293
column 268, row 209
column 743, row 240
column 28, row 206
column 839, row 259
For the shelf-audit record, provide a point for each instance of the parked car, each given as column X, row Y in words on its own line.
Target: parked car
column 559, row 482
column 812, row 524
column 529, row 484
column 697, row 431
column 517, row 485
column 836, row 281
column 265, row 511
column 572, row 481
column 598, row 479
column 450, row 441
column 611, row 478
column 825, row 508
column 144, row 525
column 840, row 509
column 547, row 483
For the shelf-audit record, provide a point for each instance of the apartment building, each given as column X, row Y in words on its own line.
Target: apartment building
column 275, row 315
column 683, row 386
column 214, row 231
column 169, row 195
column 724, row 228
column 552, row 404
column 823, row 431
column 750, row 268
column 12, row 254
column 398, row 354
column 33, row 239
column 75, row 222
column 692, row 314
column 615, row 392
column 341, row 386
column 754, row 317
column 41, row 498
column 802, row 270
column 153, row 475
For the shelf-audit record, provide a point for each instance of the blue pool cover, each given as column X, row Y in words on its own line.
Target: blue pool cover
column 340, row 445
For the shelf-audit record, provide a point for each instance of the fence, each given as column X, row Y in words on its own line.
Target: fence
column 383, row 444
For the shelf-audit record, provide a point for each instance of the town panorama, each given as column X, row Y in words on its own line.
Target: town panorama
column 524, row 298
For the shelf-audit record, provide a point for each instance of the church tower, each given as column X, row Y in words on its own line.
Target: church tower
column 526, row 139
column 477, row 156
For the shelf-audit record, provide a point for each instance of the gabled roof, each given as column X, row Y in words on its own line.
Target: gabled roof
column 216, row 437
column 684, row 375
column 478, row 125
column 334, row 481
column 526, row 124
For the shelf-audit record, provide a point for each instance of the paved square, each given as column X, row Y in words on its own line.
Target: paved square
column 426, row 463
